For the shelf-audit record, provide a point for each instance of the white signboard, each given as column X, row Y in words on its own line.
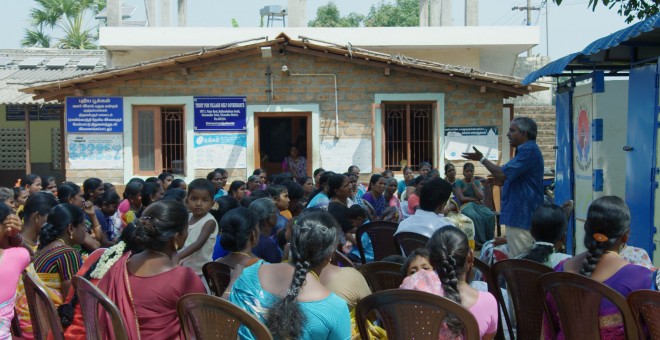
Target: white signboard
column 221, row 150
column 95, row 151
column 461, row 139
column 338, row 154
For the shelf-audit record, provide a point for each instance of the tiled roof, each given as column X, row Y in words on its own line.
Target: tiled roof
column 13, row 78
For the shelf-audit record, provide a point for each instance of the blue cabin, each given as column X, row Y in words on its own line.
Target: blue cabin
column 607, row 129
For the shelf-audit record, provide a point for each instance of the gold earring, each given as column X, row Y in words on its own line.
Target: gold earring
column 71, row 236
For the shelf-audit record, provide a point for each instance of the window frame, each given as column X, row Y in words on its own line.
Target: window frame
column 158, row 138
column 383, row 118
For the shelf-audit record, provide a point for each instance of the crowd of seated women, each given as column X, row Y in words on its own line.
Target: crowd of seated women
column 146, row 249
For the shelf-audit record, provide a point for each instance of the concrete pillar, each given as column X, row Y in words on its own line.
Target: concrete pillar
column 297, row 17
column 182, row 12
column 435, row 12
column 114, row 13
column 151, row 13
column 166, row 13
column 471, row 12
column 445, row 16
column 423, row 13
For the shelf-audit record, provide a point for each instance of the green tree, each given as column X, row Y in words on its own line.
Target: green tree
column 630, row 9
column 402, row 13
column 329, row 16
column 68, row 17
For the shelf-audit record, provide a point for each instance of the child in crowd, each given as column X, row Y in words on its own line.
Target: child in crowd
column 280, row 195
column 358, row 216
column 202, row 227
column 416, row 261
column 134, row 199
column 106, row 207
column 549, row 231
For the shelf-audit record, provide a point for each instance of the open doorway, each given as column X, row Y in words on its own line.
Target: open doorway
column 275, row 133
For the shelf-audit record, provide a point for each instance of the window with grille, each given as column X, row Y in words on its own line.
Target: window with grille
column 158, row 143
column 408, row 134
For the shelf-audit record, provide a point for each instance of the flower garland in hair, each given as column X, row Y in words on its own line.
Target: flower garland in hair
column 109, row 257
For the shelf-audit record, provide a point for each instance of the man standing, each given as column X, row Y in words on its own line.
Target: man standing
column 428, row 218
column 522, row 180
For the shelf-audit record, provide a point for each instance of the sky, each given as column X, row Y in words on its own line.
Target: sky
column 570, row 27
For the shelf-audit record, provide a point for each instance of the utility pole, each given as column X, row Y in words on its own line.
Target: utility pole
column 529, row 8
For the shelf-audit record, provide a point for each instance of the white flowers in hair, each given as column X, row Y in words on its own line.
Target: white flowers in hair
column 109, row 257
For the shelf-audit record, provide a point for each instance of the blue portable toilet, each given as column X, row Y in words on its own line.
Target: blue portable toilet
column 606, row 129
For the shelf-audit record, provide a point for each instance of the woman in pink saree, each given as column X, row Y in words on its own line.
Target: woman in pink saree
column 146, row 286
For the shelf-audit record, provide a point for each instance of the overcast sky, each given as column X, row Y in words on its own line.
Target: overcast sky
column 571, row 26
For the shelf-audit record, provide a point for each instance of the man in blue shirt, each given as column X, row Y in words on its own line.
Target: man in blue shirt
column 522, row 180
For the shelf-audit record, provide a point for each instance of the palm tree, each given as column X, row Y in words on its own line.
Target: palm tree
column 67, row 17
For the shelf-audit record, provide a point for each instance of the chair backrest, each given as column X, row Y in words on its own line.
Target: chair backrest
column 217, row 276
column 520, row 277
column 341, row 260
column 493, row 288
column 90, row 297
column 412, row 314
column 209, row 317
column 578, row 300
column 381, row 234
column 645, row 307
column 407, row 242
column 43, row 314
column 382, row 275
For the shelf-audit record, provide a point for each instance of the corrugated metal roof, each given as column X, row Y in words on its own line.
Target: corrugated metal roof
column 13, row 79
column 621, row 37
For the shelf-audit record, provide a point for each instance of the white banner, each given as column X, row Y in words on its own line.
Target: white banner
column 221, row 150
column 95, row 151
column 461, row 139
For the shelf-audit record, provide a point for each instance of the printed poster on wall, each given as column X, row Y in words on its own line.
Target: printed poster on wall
column 582, row 159
column 97, row 151
column 94, row 114
column 220, row 113
column 338, row 154
column 461, row 139
column 221, row 150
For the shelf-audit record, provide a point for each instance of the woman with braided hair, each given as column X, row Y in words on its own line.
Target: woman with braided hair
column 606, row 232
column 452, row 258
column 288, row 297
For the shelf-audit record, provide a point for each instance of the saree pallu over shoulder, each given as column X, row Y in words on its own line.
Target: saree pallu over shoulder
column 116, row 286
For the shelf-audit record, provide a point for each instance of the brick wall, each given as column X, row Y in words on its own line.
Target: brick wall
column 544, row 116
column 357, row 85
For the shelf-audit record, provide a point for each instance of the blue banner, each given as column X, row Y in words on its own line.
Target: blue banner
column 94, row 114
column 220, row 113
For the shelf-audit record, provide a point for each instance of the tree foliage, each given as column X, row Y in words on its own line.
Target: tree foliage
column 402, row 13
column 329, row 16
column 69, row 17
column 384, row 14
column 630, row 9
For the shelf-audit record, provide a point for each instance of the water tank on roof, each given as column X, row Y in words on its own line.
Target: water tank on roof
column 274, row 13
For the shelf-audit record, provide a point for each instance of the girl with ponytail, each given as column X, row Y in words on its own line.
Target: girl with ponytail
column 606, row 232
column 288, row 297
column 452, row 258
column 549, row 232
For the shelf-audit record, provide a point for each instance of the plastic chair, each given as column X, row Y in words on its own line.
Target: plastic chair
column 520, row 277
column 412, row 314
column 209, row 317
column 341, row 260
column 407, row 242
column 90, row 297
column 494, row 289
column 645, row 307
column 381, row 234
column 578, row 300
column 382, row 275
column 45, row 320
column 217, row 276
